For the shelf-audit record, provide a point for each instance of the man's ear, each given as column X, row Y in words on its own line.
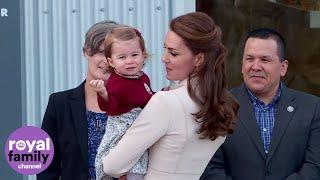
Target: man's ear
column 199, row 59
column 284, row 67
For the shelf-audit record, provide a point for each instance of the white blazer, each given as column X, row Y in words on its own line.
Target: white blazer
column 167, row 128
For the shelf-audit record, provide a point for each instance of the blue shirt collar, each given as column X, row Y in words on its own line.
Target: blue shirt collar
column 255, row 100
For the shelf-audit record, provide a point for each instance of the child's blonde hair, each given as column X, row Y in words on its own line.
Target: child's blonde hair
column 123, row 33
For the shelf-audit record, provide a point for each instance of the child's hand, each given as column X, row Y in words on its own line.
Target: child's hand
column 98, row 86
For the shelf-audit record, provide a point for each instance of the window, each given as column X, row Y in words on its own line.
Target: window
column 299, row 26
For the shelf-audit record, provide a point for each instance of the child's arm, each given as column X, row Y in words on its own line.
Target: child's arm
column 98, row 86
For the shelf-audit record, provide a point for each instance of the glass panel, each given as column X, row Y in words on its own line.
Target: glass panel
column 300, row 28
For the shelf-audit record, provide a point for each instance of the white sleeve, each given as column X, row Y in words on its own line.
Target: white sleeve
column 150, row 126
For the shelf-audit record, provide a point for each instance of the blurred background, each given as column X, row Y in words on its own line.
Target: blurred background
column 297, row 20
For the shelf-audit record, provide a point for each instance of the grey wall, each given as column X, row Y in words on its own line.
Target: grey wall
column 10, row 80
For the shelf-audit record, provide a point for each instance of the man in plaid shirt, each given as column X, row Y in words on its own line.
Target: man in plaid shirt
column 277, row 135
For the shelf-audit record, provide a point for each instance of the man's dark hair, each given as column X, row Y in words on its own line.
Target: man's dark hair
column 266, row 33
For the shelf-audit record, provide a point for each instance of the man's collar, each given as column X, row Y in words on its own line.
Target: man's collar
column 256, row 100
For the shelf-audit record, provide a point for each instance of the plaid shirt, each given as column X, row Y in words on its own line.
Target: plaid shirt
column 265, row 114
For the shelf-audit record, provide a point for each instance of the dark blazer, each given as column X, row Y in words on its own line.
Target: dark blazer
column 65, row 121
column 295, row 143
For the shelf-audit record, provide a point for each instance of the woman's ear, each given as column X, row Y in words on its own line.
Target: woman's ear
column 199, row 59
column 86, row 55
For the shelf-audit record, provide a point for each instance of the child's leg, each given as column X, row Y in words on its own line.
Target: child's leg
column 141, row 166
column 134, row 176
column 114, row 131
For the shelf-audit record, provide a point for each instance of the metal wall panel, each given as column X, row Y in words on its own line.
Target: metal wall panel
column 54, row 35
column 31, row 65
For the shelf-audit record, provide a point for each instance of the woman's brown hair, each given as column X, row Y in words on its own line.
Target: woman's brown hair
column 207, row 86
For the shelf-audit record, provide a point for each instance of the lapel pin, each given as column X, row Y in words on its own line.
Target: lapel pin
column 290, row 109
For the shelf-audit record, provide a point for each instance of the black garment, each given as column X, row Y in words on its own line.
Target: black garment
column 65, row 121
column 295, row 143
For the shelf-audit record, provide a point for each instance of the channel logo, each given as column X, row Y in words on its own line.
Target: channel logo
column 29, row 150
column 3, row 12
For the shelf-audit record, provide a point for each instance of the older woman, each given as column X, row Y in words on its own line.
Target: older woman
column 73, row 118
column 182, row 127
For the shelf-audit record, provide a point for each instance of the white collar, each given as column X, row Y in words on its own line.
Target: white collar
column 177, row 84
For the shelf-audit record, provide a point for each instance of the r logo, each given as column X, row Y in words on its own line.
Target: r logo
column 4, row 12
